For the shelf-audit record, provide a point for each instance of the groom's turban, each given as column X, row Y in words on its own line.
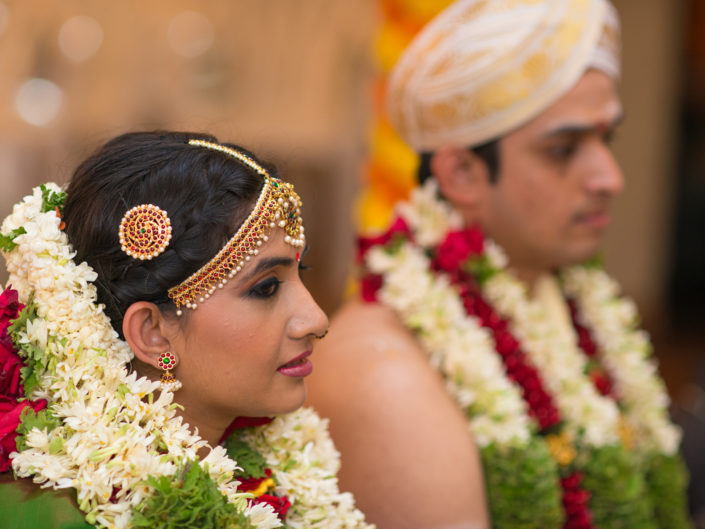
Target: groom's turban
column 482, row 68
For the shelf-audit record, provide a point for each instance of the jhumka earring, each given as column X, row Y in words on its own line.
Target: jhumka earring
column 166, row 362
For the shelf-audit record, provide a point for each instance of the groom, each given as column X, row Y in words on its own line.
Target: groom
column 511, row 105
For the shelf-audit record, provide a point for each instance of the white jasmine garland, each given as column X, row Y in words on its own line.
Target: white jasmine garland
column 554, row 351
column 455, row 342
column 115, row 432
column 465, row 353
column 625, row 352
column 305, row 463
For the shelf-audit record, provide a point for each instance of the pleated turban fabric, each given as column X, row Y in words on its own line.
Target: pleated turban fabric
column 482, row 68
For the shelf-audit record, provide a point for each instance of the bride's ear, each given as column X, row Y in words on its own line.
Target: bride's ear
column 144, row 329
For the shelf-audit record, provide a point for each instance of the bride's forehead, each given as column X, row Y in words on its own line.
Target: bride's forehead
column 276, row 245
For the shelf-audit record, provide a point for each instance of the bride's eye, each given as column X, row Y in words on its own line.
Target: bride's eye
column 265, row 288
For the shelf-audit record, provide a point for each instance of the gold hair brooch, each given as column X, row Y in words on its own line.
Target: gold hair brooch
column 278, row 205
column 145, row 231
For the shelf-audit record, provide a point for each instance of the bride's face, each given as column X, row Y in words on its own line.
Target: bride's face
column 245, row 351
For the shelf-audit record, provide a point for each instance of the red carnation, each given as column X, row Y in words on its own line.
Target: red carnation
column 10, row 412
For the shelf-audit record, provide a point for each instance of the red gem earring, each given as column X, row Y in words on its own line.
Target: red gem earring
column 166, row 362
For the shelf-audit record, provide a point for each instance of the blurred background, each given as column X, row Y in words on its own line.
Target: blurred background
column 295, row 80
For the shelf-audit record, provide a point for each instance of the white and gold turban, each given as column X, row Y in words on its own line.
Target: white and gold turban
column 482, row 68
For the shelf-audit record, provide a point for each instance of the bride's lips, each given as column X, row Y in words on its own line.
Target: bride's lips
column 300, row 366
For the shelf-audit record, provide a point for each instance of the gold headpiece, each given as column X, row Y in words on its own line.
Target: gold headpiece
column 278, row 205
column 145, row 231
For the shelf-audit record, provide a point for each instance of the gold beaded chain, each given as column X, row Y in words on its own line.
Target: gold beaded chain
column 278, row 205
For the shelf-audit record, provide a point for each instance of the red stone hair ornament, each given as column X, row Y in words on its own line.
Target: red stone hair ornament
column 145, row 231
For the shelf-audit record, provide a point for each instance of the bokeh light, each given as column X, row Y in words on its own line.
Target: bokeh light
column 80, row 38
column 38, row 101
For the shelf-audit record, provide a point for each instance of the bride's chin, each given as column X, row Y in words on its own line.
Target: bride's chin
column 295, row 399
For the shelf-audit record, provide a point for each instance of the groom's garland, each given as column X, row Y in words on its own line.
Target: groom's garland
column 72, row 416
column 556, row 447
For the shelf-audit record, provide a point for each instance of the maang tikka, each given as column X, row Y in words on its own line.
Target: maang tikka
column 278, row 205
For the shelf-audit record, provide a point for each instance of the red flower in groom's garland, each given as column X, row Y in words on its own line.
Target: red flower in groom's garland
column 399, row 226
column 369, row 285
column 457, row 247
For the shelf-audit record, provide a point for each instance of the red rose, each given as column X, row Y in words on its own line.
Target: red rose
column 399, row 226
column 457, row 247
column 10, row 307
column 369, row 285
column 10, row 363
column 280, row 504
column 10, row 412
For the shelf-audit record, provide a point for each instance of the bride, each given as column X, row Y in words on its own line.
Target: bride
column 153, row 324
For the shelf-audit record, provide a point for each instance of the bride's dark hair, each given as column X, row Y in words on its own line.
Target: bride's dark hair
column 207, row 195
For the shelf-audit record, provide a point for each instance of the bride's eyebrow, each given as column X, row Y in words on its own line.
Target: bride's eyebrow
column 267, row 264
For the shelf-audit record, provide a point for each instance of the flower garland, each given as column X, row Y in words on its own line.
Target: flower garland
column 112, row 436
column 521, row 381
